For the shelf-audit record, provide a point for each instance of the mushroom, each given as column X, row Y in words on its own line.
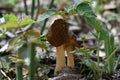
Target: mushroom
column 70, row 46
column 59, row 36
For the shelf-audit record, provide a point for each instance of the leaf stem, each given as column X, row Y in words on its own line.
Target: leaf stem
column 43, row 27
column 31, row 52
column 51, row 4
column 26, row 7
column 38, row 9
column 19, row 75
column 32, row 9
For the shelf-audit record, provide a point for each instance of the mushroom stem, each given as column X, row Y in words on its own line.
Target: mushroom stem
column 70, row 57
column 60, row 58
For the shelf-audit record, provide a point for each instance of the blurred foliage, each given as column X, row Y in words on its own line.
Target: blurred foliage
column 11, row 21
column 99, row 5
column 9, row 2
column 112, row 17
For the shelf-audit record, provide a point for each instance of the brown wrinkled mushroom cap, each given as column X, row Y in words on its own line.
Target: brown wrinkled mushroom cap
column 58, row 33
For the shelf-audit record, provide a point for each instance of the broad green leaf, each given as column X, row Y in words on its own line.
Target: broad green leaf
column 26, row 21
column 33, row 32
column 84, row 9
column 98, row 27
column 12, row 22
column 34, row 36
column 91, row 19
column 10, row 17
column 40, row 43
column 9, row 24
column 70, row 9
column 94, row 23
column 46, row 15
column 104, row 33
column 77, row 2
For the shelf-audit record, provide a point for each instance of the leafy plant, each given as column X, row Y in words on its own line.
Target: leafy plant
column 11, row 21
column 83, row 8
column 29, row 39
column 103, row 34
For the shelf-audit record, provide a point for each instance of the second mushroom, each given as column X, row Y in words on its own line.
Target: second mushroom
column 59, row 36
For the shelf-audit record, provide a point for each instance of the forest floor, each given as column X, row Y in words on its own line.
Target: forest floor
column 109, row 17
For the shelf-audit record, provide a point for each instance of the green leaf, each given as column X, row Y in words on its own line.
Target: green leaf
column 40, row 44
column 26, row 21
column 70, row 9
column 33, row 32
column 77, row 2
column 98, row 27
column 34, row 36
column 12, row 22
column 46, row 15
column 112, row 17
column 84, row 9
column 104, row 34
column 117, row 63
column 9, row 25
column 93, row 22
column 10, row 17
